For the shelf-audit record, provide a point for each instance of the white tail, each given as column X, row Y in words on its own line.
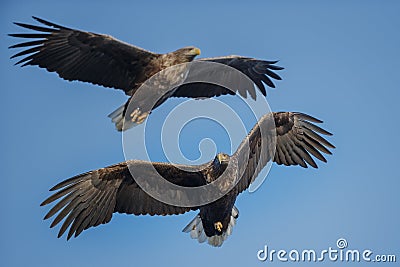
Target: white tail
column 117, row 117
column 196, row 230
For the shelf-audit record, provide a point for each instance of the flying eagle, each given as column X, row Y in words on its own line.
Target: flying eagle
column 90, row 199
column 103, row 60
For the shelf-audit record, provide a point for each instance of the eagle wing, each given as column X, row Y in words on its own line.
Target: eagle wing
column 103, row 60
column 295, row 137
column 91, row 198
column 84, row 56
column 259, row 71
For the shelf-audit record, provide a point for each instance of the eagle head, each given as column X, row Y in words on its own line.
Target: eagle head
column 217, row 167
column 221, row 161
column 186, row 54
column 222, row 158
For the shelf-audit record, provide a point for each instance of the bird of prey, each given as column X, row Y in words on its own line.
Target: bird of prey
column 90, row 199
column 103, row 60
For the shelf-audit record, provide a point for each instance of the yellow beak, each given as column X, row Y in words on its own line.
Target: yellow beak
column 197, row 51
column 220, row 158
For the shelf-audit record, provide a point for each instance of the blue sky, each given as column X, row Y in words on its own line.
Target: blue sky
column 341, row 62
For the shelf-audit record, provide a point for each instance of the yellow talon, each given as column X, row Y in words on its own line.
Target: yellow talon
column 218, row 226
column 141, row 118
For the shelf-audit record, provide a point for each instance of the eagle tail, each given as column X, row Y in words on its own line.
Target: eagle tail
column 196, row 230
column 118, row 118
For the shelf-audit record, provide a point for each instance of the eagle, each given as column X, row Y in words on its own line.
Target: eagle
column 106, row 61
column 90, row 199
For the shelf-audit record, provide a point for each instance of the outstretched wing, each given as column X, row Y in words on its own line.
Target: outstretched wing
column 84, row 56
column 259, row 71
column 295, row 137
column 91, row 198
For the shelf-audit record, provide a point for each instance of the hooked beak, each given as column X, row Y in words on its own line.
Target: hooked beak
column 196, row 51
column 221, row 158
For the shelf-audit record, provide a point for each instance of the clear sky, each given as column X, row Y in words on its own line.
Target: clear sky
column 341, row 62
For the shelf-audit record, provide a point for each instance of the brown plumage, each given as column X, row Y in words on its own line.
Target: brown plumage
column 91, row 198
column 103, row 60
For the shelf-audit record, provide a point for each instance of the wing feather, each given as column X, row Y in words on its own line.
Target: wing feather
column 84, row 56
column 259, row 71
column 33, row 27
column 290, row 139
column 90, row 199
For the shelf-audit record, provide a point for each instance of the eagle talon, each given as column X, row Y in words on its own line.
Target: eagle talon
column 218, row 226
column 138, row 117
column 141, row 118
column 135, row 113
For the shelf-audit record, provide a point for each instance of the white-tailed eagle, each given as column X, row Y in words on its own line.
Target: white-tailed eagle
column 90, row 199
column 103, row 60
